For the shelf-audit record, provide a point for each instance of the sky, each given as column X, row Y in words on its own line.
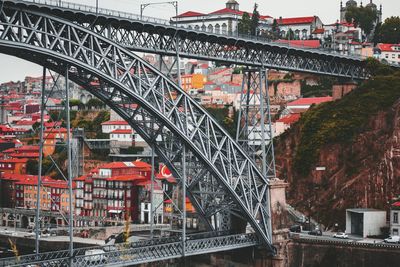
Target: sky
column 13, row 69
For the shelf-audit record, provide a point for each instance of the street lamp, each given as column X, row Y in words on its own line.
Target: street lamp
column 175, row 5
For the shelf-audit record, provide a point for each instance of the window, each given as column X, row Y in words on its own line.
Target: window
column 224, row 28
column 217, row 28
column 395, row 217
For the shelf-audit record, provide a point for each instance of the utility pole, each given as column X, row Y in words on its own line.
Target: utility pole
column 41, row 144
column 69, row 169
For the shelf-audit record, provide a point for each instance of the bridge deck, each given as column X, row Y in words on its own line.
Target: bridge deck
column 138, row 252
column 56, row 5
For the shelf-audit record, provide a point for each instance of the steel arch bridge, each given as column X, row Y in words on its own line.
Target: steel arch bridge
column 156, row 36
column 220, row 176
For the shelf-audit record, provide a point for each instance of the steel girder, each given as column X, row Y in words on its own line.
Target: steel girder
column 254, row 132
column 220, row 175
column 136, row 253
column 160, row 39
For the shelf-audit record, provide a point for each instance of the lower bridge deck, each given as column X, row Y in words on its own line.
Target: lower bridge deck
column 137, row 252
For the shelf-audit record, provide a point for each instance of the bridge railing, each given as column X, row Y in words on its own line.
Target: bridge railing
column 135, row 17
column 137, row 252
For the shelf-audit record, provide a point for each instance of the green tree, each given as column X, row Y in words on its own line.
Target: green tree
column 255, row 21
column 377, row 68
column 364, row 17
column 290, row 35
column 94, row 102
column 275, row 30
column 32, row 167
column 244, row 25
column 388, row 32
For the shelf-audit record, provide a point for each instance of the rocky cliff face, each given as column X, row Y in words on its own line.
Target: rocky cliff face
column 364, row 172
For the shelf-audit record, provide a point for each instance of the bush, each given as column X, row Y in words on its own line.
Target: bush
column 341, row 121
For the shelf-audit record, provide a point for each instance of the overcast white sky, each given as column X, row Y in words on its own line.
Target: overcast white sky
column 12, row 68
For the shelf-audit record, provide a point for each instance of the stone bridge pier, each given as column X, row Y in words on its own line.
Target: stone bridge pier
column 280, row 231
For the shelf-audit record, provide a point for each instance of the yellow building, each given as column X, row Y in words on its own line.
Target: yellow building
column 193, row 81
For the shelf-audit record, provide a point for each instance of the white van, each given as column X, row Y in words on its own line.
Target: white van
column 392, row 239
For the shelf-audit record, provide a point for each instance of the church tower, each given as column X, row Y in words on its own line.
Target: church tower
column 343, row 9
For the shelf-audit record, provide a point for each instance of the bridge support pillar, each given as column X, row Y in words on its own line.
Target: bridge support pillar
column 280, row 231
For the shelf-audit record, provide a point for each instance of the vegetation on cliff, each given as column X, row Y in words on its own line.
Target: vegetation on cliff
column 340, row 121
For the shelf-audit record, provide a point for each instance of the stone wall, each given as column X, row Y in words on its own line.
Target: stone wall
column 310, row 253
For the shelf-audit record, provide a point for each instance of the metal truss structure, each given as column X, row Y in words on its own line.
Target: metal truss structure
column 219, row 175
column 154, row 36
column 254, row 131
column 137, row 252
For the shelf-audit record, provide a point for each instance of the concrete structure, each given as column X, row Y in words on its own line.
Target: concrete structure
column 340, row 90
column 365, row 222
column 394, row 223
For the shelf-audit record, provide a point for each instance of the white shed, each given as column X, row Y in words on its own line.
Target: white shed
column 365, row 222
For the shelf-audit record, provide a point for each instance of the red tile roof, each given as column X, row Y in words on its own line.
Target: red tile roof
column 319, row 31
column 310, row 101
column 25, row 122
column 292, row 118
column 227, row 11
column 115, row 123
column 298, row 20
column 119, row 165
column 388, row 47
column 396, row 204
column 189, row 14
column 127, row 178
column 13, row 160
column 122, row 131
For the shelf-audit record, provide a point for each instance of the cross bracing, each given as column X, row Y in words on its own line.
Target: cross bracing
column 221, row 176
column 137, row 252
column 155, row 36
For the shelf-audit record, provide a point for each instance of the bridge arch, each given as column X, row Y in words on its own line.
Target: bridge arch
column 220, row 176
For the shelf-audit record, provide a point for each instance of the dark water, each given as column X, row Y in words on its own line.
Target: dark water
column 6, row 252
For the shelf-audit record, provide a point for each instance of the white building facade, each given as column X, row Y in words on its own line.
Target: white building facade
column 224, row 21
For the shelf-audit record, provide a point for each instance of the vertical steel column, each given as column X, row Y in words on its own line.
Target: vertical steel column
column 271, row 152
column 41, row 144
column 178, row 67
column 152, row 194
column 239, row 126
column 69, row 169
column 262, row 77
column 184, row 200
column 271, row 144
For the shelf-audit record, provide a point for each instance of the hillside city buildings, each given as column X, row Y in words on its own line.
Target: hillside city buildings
column 107, row 193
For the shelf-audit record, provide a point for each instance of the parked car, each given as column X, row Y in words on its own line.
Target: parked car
column 295, row 228
column 392, row 239
column 95, row 256
column 340, row 235
column 315, row 232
